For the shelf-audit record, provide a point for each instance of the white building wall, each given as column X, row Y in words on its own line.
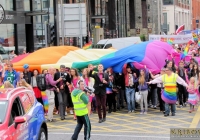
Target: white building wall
column 181, row 17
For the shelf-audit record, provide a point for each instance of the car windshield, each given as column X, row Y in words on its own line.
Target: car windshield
column 3, row 108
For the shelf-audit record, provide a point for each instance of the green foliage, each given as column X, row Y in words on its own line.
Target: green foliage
column 142, row 37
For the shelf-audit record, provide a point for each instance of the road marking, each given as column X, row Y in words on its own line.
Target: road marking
column 107, row 135
column 196, row 118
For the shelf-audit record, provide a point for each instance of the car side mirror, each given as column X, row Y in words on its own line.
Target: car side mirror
column 19, row 120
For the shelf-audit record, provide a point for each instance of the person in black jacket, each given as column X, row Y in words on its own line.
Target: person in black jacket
column 101, row 82
column 120, row 85
column 27, row 74
column 63, row 89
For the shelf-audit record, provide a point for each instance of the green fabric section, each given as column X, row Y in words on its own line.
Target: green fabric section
column 82, row 65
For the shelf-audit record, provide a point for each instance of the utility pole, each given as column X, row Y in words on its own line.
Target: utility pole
column 62, row 22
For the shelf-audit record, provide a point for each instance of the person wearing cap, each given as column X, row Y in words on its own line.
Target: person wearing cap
column 27, row 73
column 63, row 89
column 169, row 95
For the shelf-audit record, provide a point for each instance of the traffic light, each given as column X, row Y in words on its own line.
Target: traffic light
column 52, row 34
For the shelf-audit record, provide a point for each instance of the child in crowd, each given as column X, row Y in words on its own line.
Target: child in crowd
column 193, row 94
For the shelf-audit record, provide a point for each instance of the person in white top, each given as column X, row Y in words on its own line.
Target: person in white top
column 160, row 87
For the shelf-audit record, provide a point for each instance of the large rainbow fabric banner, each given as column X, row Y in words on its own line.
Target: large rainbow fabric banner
column 140, row 55
column 59, row 55
column 199, row 42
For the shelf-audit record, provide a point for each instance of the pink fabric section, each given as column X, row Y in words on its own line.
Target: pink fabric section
column 20, row 57
column 155, row 56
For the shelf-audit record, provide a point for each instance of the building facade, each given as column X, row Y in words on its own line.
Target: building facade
column 195, row 14
column 24, row 23
column 174, row 14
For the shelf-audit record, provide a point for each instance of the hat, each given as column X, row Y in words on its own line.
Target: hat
column 26, row 66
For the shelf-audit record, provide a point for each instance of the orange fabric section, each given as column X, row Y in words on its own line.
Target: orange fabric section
column 49, row 55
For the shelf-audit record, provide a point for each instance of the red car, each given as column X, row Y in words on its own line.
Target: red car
column 21, row 116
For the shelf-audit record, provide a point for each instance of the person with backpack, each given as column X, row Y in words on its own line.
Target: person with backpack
column 36, row 90
column 50, row 86
column 63, row 88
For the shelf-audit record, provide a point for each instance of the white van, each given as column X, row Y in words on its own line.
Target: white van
column 117, row 43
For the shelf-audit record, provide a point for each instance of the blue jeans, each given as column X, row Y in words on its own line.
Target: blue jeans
column 130, row 97
column 173, row 108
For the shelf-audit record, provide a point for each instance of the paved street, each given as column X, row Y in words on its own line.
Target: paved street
column 123, row 126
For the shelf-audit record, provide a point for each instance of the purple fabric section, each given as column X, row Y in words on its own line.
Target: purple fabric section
column 167, row 100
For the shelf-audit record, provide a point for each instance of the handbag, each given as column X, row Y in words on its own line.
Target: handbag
column 138, row 97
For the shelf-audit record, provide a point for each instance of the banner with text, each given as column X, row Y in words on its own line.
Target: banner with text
column 178, row 39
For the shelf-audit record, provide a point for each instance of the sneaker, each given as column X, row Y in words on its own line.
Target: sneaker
column 129, row 111
column 166, row 115
column 173, row 114
column 141, row 112
column 65, row 113
column 145, row 112
column 71, row 112
column 190, row 111
column 180, row 106
column 155, row 107
column 100, row 120
column 104, row 119
column 133, row 111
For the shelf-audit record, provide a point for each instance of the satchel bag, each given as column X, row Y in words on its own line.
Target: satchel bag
column 138, row 97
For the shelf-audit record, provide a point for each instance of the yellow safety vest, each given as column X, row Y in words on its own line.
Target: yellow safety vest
column 170, row 82
column 79, row 107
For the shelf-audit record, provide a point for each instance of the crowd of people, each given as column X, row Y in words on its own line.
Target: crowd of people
column 107, row 91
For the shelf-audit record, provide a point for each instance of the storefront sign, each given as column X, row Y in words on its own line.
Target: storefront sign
column 178, row 39
column 2, row 13
column 13, row 17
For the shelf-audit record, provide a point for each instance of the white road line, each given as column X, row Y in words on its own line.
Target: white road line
column 105, row 135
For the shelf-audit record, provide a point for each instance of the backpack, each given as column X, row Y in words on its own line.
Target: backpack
column 41, row 82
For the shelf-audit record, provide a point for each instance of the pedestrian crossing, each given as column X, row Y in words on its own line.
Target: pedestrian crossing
column 122, row 122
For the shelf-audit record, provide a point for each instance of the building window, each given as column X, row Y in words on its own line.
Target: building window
column 144, row 14
column 44, row 18
column 46, row 4
column 149, row 19
column 148, row 7
column 168, row 2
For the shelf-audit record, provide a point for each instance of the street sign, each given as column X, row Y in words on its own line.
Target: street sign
column 74, row 17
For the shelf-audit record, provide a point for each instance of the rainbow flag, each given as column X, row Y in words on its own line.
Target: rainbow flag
column 170, row 41
column 87, row 46
column 184, row 54
column 195, row 37
column 199, row 42
column 45, row 101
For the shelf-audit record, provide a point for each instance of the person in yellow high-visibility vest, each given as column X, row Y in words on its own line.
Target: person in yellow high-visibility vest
column 80, row 101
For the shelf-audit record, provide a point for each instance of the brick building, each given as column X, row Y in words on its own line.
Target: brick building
column 195, row 14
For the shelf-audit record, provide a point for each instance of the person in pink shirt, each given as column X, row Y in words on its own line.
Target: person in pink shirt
column 50, row 87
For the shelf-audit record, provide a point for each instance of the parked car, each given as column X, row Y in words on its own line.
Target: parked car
column 3, row 53
column 21, row 117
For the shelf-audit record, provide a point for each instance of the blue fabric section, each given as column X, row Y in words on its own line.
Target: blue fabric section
column 133, row 53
